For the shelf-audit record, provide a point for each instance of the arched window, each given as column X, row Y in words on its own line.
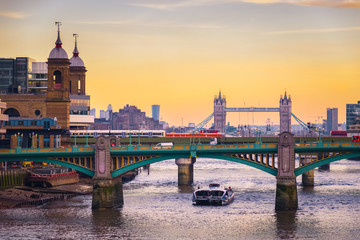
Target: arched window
column 12, row 112
column 57, row 79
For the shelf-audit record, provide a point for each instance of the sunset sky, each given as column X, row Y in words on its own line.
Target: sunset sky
column 180, row 53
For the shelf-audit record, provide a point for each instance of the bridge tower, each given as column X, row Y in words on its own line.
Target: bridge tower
column 285, row 114
column 220, row 113
column 58, row 84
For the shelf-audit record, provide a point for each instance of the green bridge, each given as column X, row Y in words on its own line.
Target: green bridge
column 108, row 160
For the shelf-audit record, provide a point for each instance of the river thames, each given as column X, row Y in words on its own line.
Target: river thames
column 156, row 208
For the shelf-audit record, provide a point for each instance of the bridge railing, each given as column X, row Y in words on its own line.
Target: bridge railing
column 44, row 150
column 193, row 147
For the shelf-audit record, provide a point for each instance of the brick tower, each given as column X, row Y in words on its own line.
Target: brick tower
column 77, row 72
column 58, row 92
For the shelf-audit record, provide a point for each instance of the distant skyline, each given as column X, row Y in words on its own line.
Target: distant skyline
column 180, row 53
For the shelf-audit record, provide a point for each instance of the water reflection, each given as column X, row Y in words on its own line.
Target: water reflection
column 307, row 189
column 186, row 189
column 286, row 222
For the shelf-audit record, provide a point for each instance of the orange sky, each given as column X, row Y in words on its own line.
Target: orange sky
column 179, row 54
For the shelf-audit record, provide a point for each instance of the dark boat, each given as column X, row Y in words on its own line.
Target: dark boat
column 52, row 176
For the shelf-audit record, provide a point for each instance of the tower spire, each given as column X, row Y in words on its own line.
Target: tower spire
column 75, row 52
column 58, row 40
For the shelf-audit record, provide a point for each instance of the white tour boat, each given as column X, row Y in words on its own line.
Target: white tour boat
column 214, row 194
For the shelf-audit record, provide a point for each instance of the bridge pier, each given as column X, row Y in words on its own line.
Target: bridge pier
column 185, row 170
column 308, row 178
column 107, row 191
column 286, row 190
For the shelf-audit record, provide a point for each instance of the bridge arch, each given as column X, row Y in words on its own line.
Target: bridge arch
column 133, row 166
column 324, row 161
column 58, row 162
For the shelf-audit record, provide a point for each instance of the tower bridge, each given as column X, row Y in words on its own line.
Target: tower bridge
column 284, row 110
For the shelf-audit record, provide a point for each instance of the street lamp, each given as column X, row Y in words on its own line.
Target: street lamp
column 33, row 137
column 75, row 138
column 87, row 141
column 258, row 135
column 139, row 138
column 320, row 130
column 19, row 136
column 130, row 139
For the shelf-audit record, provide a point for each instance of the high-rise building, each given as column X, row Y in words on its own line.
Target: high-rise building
column 156, row 112
column 108, row 112
column 14, row 74
column 352, row 114
column 102, row 114
column 93, row 112
column 332, row 120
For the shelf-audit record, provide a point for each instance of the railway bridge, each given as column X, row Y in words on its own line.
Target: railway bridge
column 108, row 160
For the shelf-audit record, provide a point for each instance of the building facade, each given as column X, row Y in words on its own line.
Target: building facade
column 331, row 120
column 352, row 114
column 14, row 74
column 155, row 112
column 132, row 118
column 55, row 89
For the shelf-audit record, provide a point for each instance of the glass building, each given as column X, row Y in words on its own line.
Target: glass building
column 156, row 112
column 14, row 74
column 352, row 114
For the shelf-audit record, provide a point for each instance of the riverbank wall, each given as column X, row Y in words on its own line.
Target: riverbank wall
column 12, row 177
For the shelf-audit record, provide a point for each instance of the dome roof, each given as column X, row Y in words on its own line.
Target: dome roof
column 76, row 62
column 58, row 52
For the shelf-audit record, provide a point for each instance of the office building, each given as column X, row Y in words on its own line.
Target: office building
column 352, row 116
column 156, row 112
column 14, row 74
column 331, row 120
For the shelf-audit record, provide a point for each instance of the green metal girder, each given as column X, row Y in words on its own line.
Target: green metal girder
column 171, row 156
column 263, row 168
column 324, row 161
column 54, row 161
column 133, row 166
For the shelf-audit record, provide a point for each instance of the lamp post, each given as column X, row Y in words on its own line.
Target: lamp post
column 75, row 138
column 19, row 136
column 139, row 138
column 193, row 139
column 199, row 138
column 87, row 141
column 33, row 136
column 319, row 130
column 130, row 139
column 258, row 135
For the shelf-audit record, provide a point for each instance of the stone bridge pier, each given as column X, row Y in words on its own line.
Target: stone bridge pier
column 286, row 191
column 185, row 170
column 107, row 191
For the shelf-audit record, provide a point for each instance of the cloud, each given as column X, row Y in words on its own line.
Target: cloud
column 16, row 15
column 105, row 22
column 172, row 5
column 325, row 30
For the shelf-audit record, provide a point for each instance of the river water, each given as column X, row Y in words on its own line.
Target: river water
column 156, row 208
